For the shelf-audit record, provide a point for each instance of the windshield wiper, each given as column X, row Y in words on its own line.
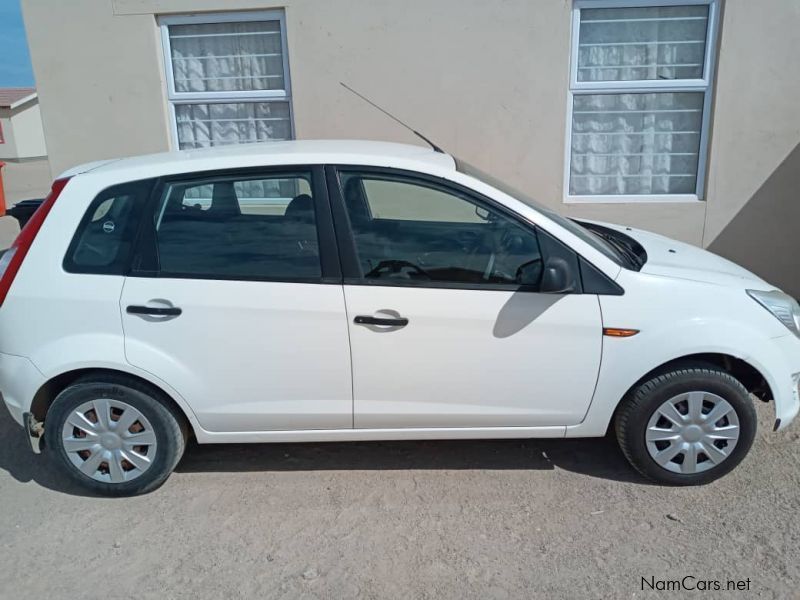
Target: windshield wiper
column 623, row 249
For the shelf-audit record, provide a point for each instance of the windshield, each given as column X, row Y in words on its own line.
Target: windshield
column 582, row 232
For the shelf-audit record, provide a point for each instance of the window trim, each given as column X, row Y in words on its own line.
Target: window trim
column 704, row 85
column 144, row 258
column 348, row 254
column 249, row 96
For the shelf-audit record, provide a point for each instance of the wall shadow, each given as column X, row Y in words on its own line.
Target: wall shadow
column 598, row 457
column 763, row 236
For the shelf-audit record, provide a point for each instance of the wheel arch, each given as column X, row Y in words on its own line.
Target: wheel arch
column 47, row 392
column 741, row 370
column 744, row 372
column 601, row 414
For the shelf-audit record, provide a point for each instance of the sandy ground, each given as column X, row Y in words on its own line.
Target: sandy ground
column 500, row 519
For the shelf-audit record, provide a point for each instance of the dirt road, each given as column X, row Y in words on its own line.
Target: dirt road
column 505, row 519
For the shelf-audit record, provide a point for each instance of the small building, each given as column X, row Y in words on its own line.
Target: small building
column 21, row 135
column 676, row 116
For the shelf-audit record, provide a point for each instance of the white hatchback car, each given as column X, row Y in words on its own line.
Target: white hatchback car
column 347, row 290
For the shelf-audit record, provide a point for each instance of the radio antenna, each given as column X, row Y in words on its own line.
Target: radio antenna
column 391, row 116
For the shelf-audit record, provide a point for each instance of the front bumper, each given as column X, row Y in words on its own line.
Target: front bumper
column 19, row 382
column 783, row 377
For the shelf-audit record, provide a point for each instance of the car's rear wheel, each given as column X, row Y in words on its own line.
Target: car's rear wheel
column 115, row 436
column 686, row 427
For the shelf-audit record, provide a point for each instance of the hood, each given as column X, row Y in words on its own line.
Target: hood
column 670, row 258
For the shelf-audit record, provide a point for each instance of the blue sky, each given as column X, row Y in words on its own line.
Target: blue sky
column 15, row 62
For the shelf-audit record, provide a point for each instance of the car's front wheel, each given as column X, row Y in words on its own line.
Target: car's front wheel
column 686, row 427
column 114, row 436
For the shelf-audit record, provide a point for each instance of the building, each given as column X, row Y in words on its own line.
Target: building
column 21, row 135
column 678, row 116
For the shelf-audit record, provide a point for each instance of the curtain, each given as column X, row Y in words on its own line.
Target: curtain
column 638, row 143
column 635, row 143
column 227, row 57
column 217, row 124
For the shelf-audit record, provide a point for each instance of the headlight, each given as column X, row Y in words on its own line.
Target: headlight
column 782, row 306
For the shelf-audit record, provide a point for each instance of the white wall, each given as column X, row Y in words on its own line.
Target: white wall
column 26, row 122
column 9, row 148
column 22, row 130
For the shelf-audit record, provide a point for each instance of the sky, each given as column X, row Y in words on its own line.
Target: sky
column 15, row 61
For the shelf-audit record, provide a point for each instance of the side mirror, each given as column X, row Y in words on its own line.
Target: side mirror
column 557, row 278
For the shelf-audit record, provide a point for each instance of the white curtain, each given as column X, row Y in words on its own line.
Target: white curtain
column 642, row 143
column 635, row 143
column 226, row 57
column 229, row 57
column 217, row 124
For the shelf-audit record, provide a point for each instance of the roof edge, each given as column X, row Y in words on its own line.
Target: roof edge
column 22, row 101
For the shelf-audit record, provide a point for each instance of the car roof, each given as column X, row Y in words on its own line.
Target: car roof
column 296, row 152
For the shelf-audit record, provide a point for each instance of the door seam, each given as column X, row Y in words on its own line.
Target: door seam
column 599, row 364
column 352, row 372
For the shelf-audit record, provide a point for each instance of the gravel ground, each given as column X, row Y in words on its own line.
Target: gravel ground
column 499, row 519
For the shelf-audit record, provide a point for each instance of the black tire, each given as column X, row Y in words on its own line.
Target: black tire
column 639, row 406
column 169, row 429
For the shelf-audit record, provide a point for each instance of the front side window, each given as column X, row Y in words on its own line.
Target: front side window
column 259, row 227
column 228, row 78
column 411, row 231
column 641, row 85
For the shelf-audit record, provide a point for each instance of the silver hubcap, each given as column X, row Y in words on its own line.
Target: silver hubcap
column 692, row 432
column 109, row 440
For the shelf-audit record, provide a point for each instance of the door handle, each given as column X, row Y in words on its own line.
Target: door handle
column 158, row 311
column 364, row 320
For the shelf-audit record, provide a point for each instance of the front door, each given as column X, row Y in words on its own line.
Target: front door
column 237, row 305
column 447, row 327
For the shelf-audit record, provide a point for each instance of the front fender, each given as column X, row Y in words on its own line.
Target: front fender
column 626, row 360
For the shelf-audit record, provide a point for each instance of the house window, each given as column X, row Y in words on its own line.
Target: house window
column 640, row 97
column 227, row 78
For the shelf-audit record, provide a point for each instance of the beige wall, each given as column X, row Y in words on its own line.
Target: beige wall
column 486, row 79
column 99, row 80
column 757, row 121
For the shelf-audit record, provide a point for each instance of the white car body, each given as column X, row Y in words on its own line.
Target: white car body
column 255, row 361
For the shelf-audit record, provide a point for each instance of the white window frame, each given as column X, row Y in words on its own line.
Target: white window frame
column 174, row 98
column 704, row 85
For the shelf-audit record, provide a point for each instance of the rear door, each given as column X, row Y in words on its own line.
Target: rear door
column 447, row 325
column 235, row 300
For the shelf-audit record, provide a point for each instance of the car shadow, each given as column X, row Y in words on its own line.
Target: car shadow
column 598, row 457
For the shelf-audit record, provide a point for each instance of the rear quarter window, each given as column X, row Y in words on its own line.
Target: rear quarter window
column 104, row 240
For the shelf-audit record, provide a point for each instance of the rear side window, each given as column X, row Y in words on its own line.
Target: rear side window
column 104, row 240
column 260, row 227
